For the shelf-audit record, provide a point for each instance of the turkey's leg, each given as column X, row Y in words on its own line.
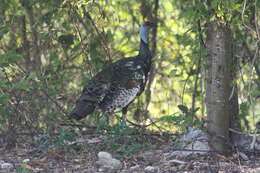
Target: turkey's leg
column 113, row 117
column 124, row 111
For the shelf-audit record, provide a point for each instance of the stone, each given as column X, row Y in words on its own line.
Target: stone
column 6, row 165
column 243, row 156
column 151, row 169
column 150, row 157
column 135, row 169
column 194, row 134
column 194, row 139
column 26, row 160
column 105, row 160
column 198, row 147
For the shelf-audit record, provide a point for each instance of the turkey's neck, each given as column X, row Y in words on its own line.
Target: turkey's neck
column 144, row 51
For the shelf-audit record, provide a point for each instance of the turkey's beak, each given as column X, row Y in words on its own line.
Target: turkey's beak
column 151, row 24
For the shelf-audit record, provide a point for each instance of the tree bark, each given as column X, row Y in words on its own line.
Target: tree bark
column 218, row 85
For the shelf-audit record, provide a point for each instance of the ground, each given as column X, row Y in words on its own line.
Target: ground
column 81, row 156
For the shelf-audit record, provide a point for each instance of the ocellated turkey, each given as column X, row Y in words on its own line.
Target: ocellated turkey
column 118, row 84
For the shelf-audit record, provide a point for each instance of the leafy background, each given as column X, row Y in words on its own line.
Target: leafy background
column 50, row 49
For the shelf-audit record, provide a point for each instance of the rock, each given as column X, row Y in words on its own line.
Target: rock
column 257, row 146
column 125, row 171
column 94, row 140
column 194, row 134
column 102, row 169
column 243, row 156
column 151, row 169
column 177, row 161
column 150, row 157
column 76, row 160
column 134, row 169
column 194, row 139
column 198, row 147
column 105, row 160
column 104, row 155
column 26, row 160
column 6, row 165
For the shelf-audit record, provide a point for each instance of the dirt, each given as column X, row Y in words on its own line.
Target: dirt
column 81, row 156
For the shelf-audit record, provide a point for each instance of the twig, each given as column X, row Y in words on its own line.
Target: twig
column 212, row 151
column 25, row 43
column 81, row 41
column 243, row 12
column 184, row 87
column 251, row 56
column 55, row 102
column 197, row 72
column 37, row 51
column 78, row 125
column 232, row 93
column 256, row 22
column 152, row 75
column 202, row 42
column 241, row 133
column 252, row 145
column 104, row 45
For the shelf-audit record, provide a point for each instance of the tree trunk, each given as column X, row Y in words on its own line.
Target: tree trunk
column 218, row 85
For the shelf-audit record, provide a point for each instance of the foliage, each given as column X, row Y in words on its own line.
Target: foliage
column 182, row 120
column 59, row 142
column 50, row 49
column 124, row 140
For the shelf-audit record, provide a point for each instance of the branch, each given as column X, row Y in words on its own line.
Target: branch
column 202, row 43
column 154, row 47
column 56, row 103
column 103, row 38
column 251, row 56
column 37, row 52
column 25, row 44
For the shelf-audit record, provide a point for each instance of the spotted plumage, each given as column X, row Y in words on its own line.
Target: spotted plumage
column 117, row 85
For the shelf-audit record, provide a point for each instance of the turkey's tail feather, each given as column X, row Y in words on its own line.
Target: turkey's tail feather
column 82, row 109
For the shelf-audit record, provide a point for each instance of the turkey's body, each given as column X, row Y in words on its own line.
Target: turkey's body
column 117, row 85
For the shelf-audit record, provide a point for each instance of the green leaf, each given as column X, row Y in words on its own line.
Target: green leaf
column 4, row 30
column 110, row 35
column 45, row 36
column 10, row 57
column 183, row 108
column 23, row 84
column 66, row 39
column 171, row 119
column 47, row 17
column 244, row 110
column 4, row 98
column 196, row 109
column 54, row 57
column 173, row 73
column 76, row 47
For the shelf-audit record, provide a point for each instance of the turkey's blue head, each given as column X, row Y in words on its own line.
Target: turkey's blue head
column 145, row 27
